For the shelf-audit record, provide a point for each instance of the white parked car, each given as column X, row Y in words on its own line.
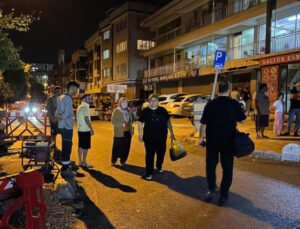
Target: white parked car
column 164, row 100
column 175, row 108
column 94, row 112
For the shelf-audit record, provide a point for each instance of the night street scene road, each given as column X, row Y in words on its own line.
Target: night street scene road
column 154, row 114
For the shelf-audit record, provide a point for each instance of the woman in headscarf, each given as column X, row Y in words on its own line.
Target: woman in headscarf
column 122, row 119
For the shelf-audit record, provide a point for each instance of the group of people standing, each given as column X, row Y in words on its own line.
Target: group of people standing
column 60, row 112
column 153, row 125
column 153, row 128
column 262, row 111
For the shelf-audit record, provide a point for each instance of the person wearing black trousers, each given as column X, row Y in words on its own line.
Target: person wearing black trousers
column 122, row 119
column 219, row 121
column 153, row 130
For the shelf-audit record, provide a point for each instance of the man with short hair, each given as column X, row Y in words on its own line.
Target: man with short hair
column 85, row 130
column 64, row 116
column 156, row 122
column 262, row 104
column 219, row 121
column 51, row 107
column 294, row 109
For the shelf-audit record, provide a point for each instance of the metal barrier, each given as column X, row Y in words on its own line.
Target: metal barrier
column 25, row 121
column 31, row 185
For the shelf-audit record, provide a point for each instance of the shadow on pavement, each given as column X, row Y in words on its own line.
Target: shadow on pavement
column 90, row 214
column 195, row 187
column 184, row 186
column 109, row 181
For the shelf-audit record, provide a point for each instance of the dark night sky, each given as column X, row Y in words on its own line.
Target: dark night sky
column 63, row 23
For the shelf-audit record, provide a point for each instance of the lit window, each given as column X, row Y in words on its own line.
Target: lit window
column 106, row 54
column 106, row 35
column 121, row 47
column 106, row 72
column 145, row 45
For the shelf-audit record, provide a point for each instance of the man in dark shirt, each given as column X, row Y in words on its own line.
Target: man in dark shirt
column 156, row 122
column 294, row 109
column 51, row 106
column 219, row 120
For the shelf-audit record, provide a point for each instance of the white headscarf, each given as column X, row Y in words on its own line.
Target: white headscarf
column 124, row 111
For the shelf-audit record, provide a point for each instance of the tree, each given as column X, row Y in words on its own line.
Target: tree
column 6, row 93
column 18, row 83
column 9, row 54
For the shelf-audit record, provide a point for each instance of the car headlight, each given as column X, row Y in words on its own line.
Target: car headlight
column 27, row 109
column 34, row 109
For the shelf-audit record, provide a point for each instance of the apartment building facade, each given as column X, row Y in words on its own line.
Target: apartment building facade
column 77, row 69
column 187, row 33
column 93, row 65
column 122, row 36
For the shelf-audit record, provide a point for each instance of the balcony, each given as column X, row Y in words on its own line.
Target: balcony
column 218, row 13
column 278, row 44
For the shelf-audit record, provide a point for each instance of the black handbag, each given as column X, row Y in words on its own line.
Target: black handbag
column 243, row 144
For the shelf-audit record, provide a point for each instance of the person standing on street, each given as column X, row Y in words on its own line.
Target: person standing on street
column 247, row 98
column 85, row 130
column 64, row 115
column 52, row 103
column 122, row 119
column 153, row 130
column 235, row 94
column 262, row 104
column 279, row 115
column 219, row 121
column 294, row 110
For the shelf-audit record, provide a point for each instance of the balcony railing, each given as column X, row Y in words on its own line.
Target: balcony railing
column 280, row 43
column 208, row 18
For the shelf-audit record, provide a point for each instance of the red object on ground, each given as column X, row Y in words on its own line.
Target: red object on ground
column 31, row 184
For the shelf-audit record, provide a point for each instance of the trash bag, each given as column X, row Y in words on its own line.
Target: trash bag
column 243, row 144
column 177, row 151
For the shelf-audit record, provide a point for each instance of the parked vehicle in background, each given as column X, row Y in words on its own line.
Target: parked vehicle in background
column 164, row 100
column 175, row 108
column 94, row 112
column 188, row 108
column 136, row 106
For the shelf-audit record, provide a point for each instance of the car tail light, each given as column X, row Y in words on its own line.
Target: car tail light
column 164, row 103
column 176, row 105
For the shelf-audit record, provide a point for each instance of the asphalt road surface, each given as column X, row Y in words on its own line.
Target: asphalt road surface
column 264, row 194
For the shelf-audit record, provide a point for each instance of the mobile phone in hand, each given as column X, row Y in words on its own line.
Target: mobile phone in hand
column 202, row 144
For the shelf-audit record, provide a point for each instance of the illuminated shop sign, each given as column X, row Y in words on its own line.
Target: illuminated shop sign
column 280, row 59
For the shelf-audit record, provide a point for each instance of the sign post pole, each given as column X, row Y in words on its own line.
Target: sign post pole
column 215, row 84
column 219, row 63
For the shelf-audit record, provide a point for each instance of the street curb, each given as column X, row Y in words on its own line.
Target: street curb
column 258, row 153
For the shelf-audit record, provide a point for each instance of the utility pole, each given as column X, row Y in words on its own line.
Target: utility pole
column 271, row 5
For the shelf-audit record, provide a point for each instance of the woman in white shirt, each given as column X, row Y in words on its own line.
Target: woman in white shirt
column 279, row 115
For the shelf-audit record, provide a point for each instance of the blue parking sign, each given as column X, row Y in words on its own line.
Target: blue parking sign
column 219, row 60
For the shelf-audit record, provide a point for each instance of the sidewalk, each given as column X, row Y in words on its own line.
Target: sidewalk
column 271, row 147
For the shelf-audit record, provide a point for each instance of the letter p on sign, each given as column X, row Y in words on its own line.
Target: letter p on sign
column 219, row 60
